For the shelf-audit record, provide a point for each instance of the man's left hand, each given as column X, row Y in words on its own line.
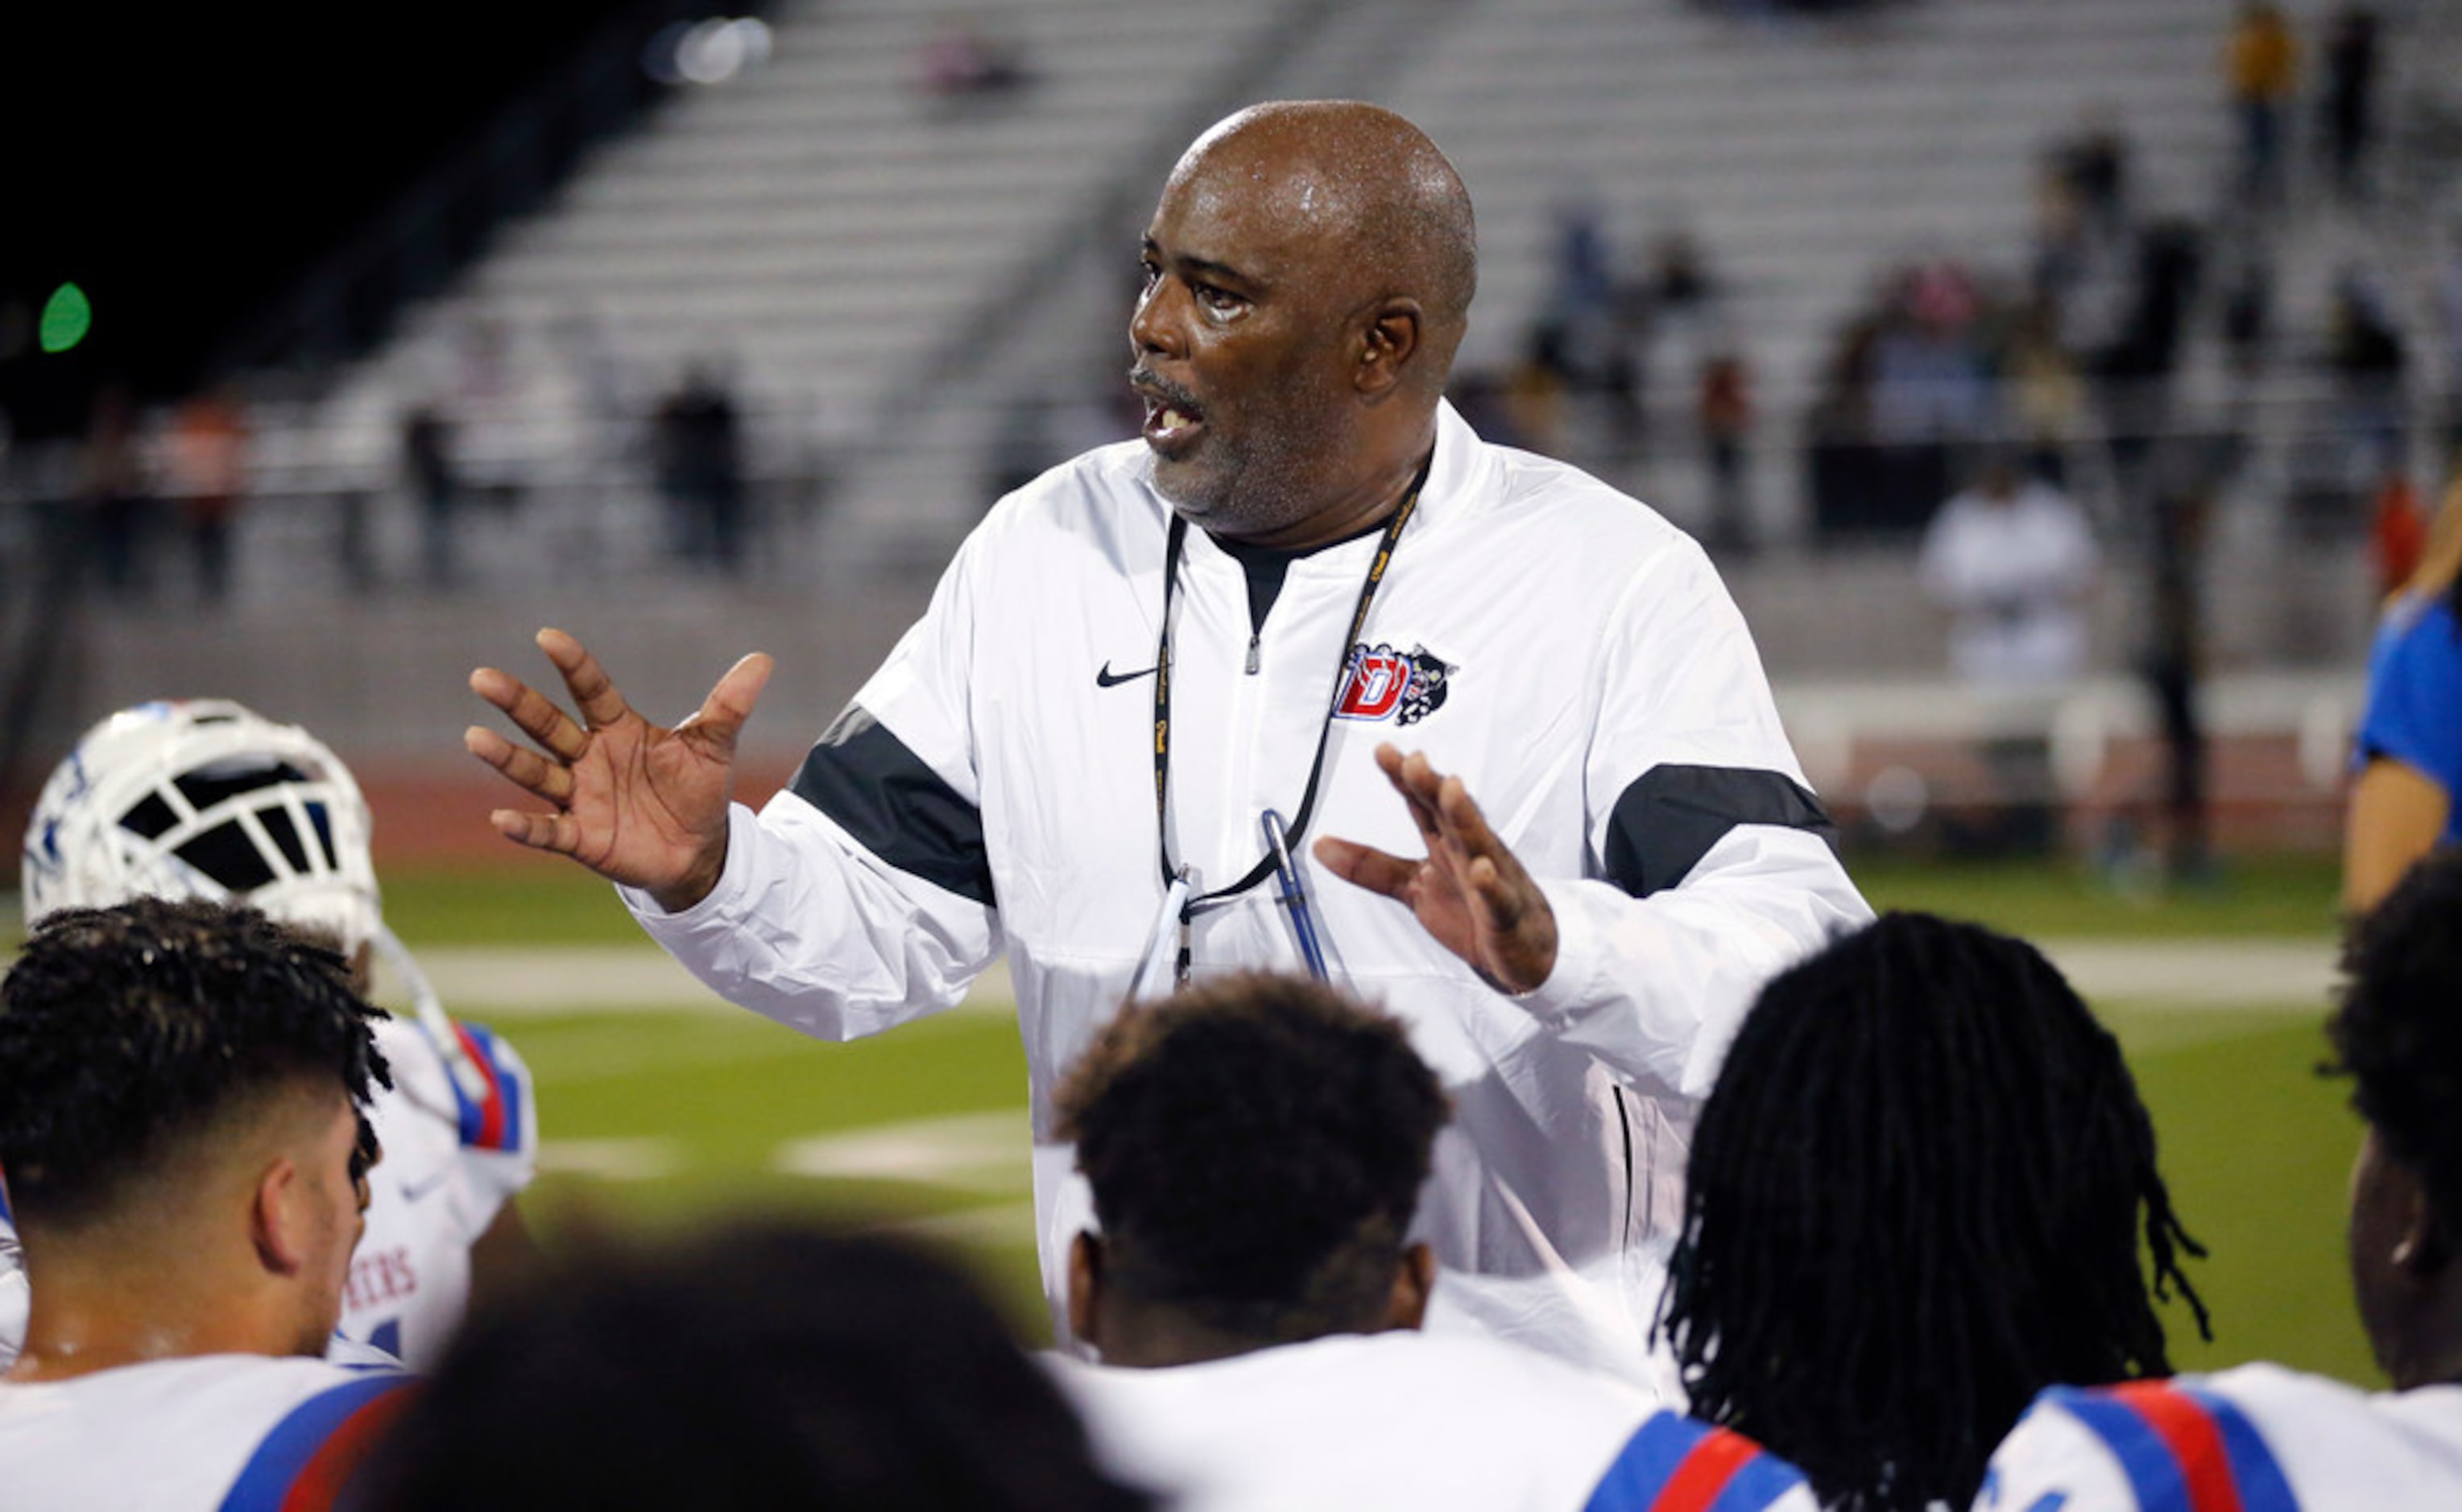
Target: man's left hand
column 1470, row 891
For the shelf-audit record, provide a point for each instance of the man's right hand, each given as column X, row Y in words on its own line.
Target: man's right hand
column 640, row 806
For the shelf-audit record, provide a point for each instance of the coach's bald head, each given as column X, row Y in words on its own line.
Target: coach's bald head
column 1309, row 272
column 1369, row 187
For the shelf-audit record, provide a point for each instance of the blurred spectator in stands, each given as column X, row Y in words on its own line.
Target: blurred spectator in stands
column 1680, row 288
column 2057, row 250
column 435, row 482
column 699, row 447
column 761, row 1367
column 1535, row 393
column 2013, row 560
column 2174, row 667
column 2248, row 313
column 1725, row 414
column 2397, row 531
column 2365, row 351
column 1590, row 344
column 2094, row 165
column 2408, row 755
column 2044, row 395
column 2348, row 108
column 1844, row 463
column 1932, row 396
column 2013, row 563
column 208, row 459
column 118, row 509
column 959, row 61
column 2261, row 70
column 2135, row 371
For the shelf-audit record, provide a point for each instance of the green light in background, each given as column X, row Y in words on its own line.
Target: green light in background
column 67, row 316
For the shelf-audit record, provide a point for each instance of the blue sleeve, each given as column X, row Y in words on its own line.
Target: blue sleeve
column 2415, row 713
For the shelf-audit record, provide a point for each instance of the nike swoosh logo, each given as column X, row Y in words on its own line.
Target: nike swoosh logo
column 413, row 1193
column 1108, row 678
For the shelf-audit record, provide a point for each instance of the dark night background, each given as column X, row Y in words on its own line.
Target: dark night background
column 184, row 165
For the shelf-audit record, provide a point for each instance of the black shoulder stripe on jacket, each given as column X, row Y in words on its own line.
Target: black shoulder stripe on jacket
column 1671, row 816
column 898, row 807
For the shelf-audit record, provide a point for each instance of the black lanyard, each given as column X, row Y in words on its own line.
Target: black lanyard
column 1264, row 866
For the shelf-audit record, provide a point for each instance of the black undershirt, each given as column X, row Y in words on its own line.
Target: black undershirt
column 1267, row 565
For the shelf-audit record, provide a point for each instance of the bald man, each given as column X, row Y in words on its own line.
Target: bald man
column 1160, row 680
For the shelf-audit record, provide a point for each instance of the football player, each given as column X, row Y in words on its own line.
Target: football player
column 183, row 1089
column 205, row 798
column 2263, row 1436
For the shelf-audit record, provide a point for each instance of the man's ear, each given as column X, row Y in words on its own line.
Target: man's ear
column 278, row 1217
column 1085, row 1285
column 1414, row 1281
column 1387, row 344
column 2425, row 1248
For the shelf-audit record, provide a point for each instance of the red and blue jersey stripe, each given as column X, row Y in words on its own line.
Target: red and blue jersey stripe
column 494, row 1122
column 307, row 1461
column 1676, row 1464
column 2183, row 1449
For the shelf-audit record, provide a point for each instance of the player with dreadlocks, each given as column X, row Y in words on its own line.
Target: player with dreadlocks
column 2262, row 1436
column 183, row 1094
column 1914, row 1200
column 1256, row 1148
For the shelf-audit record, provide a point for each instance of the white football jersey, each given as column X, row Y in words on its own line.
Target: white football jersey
column 451, row 1161
column 218, row 1432
column 1415, row 1422
column 13, row 1290
column 2260, row 1437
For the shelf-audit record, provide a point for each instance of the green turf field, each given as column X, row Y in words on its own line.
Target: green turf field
column 654, row 1117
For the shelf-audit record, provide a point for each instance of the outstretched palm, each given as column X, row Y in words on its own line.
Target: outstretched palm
column 1470, row 891
column 638, row 804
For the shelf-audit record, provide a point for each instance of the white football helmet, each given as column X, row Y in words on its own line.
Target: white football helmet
column 205, row 798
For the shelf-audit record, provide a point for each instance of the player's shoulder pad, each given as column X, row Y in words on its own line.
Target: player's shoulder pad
column 307, row 1461
column 1672, row 1463
column 2182, row 1445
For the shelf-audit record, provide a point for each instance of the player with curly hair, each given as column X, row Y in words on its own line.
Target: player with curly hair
column 183, row 1093
column 206, row 798
column 1256, row 1148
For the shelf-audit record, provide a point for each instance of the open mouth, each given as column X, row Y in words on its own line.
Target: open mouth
column 1172, row 419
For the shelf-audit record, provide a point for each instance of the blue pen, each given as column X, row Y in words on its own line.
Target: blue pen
column 1293, row 898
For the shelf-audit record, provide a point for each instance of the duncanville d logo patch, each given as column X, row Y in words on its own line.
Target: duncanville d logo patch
column 1383, row 683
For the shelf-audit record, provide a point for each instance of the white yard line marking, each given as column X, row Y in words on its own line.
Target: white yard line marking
column 513, row 983
column 985, row 1153
column 2200, row 973
column 1001, row 1223
column 643, row 1159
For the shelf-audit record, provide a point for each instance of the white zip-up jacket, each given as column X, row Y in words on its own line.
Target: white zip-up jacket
column 1559, row 647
